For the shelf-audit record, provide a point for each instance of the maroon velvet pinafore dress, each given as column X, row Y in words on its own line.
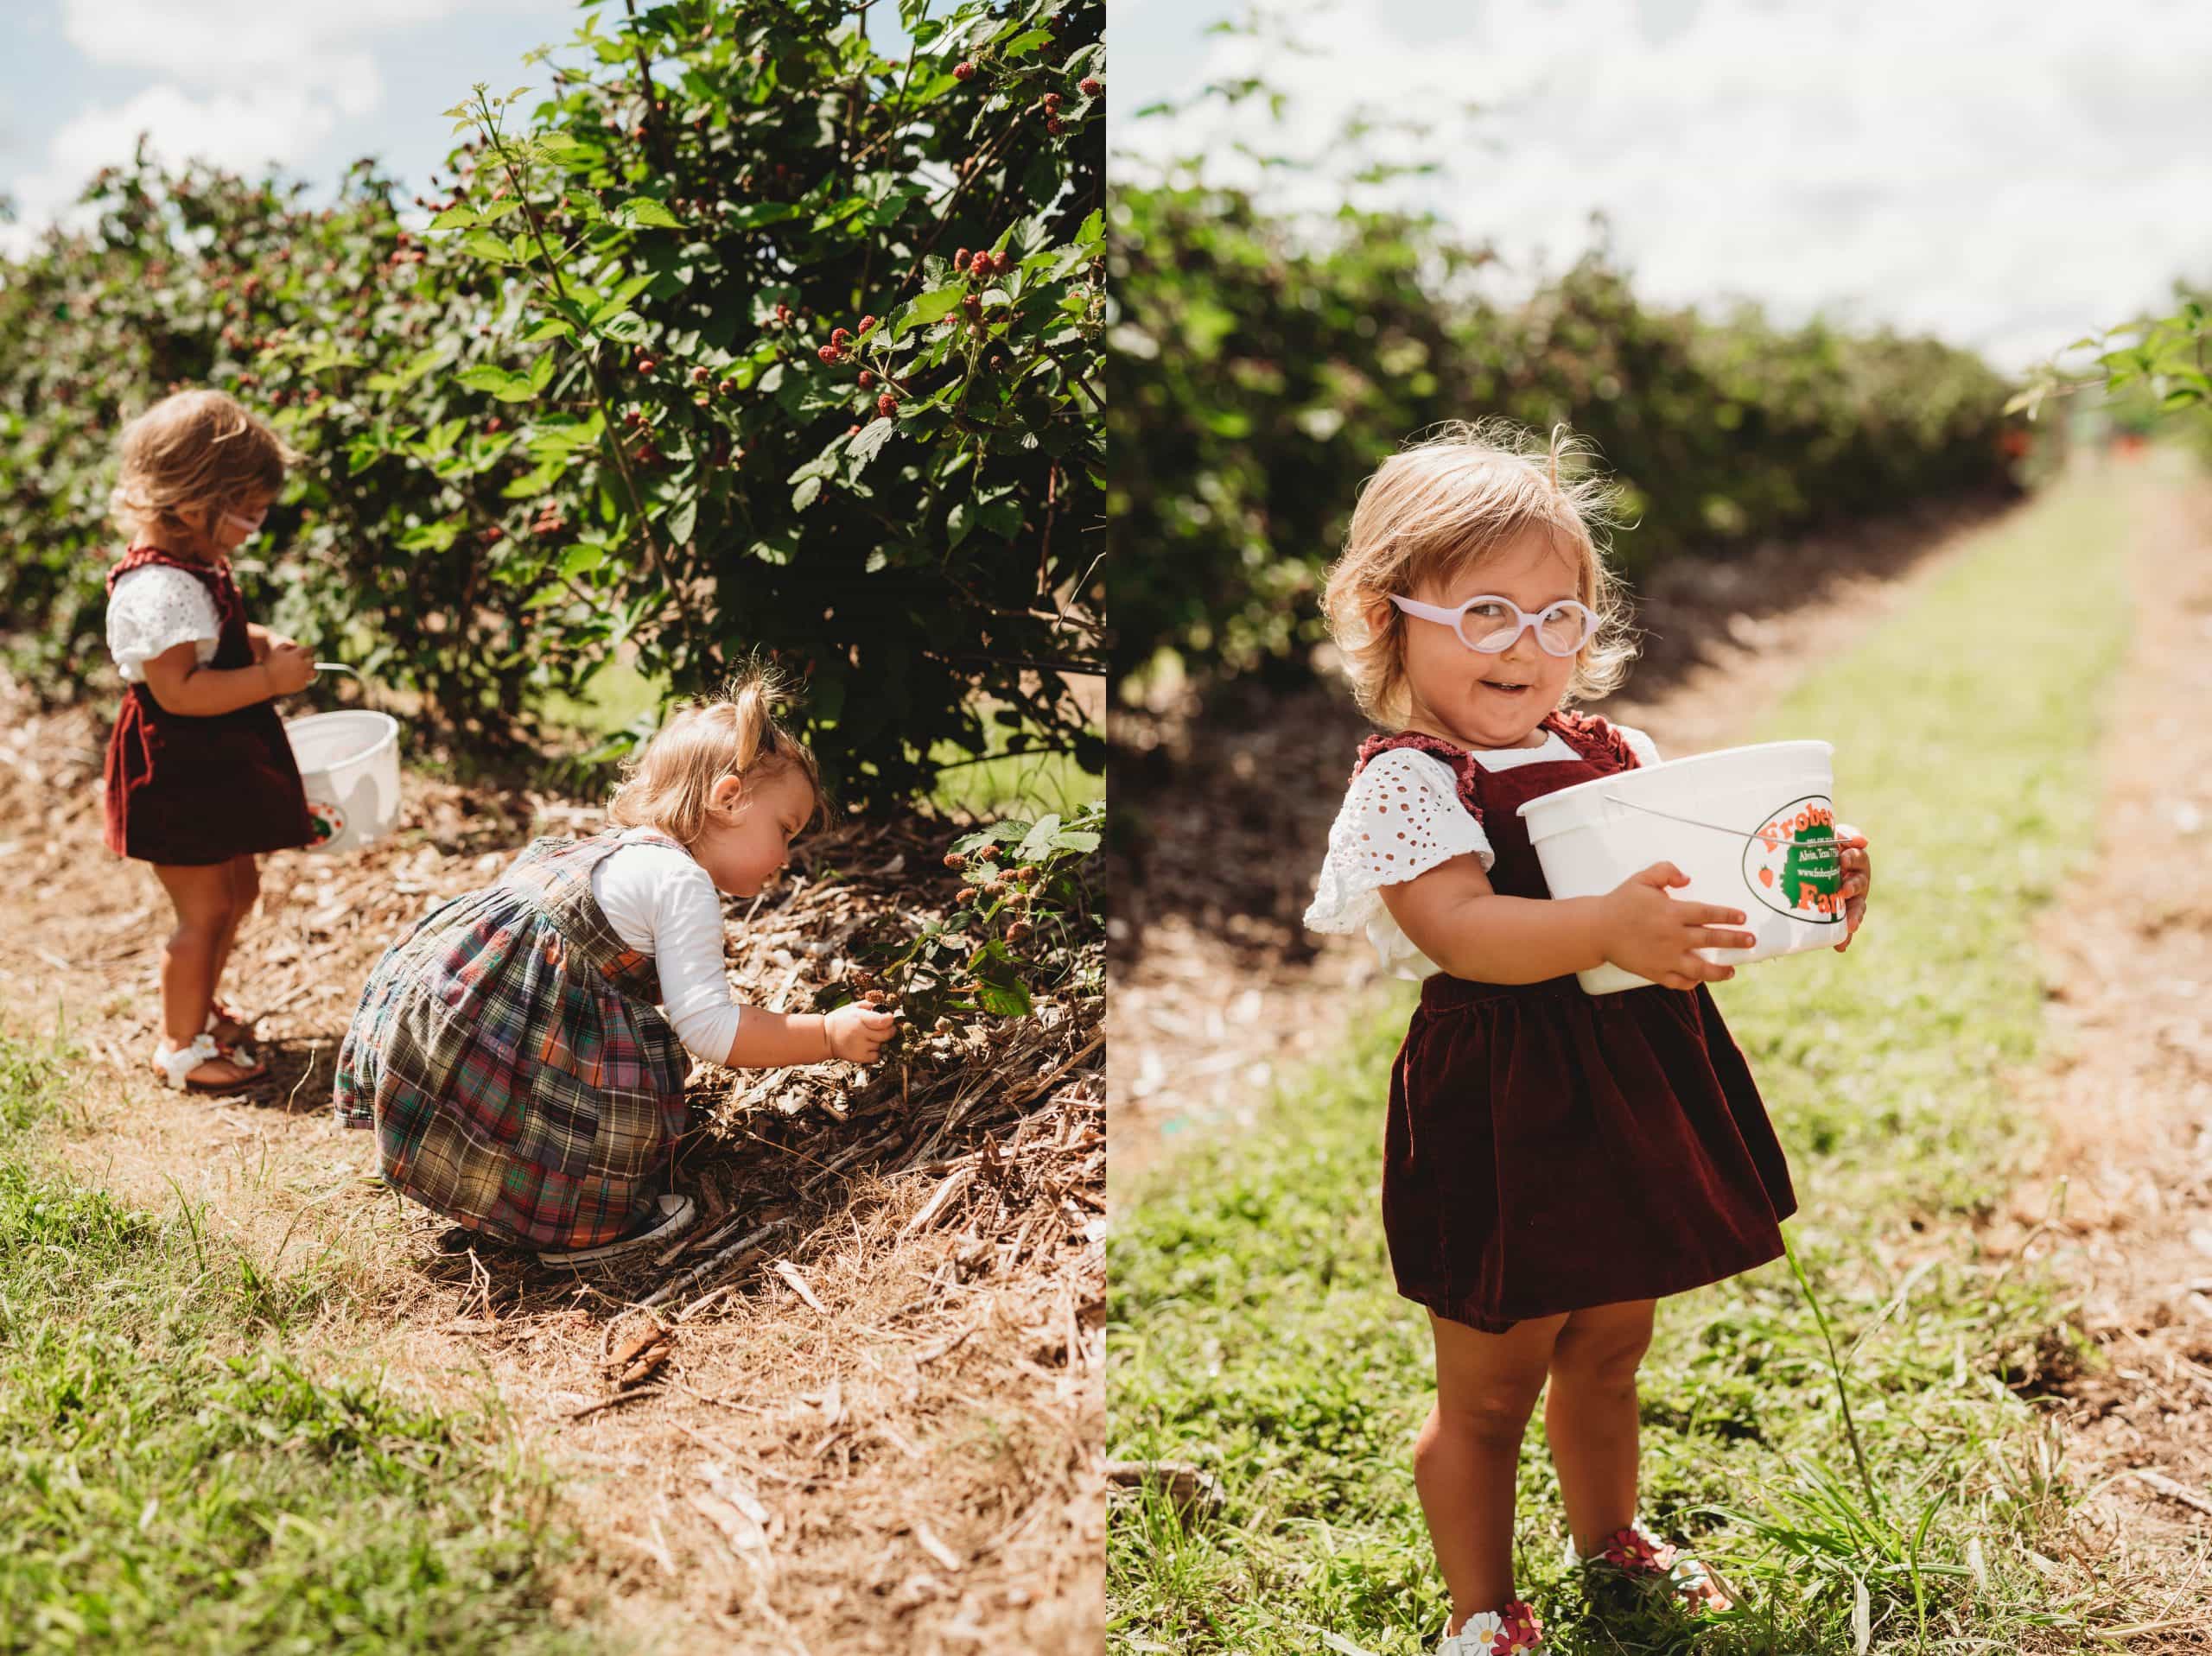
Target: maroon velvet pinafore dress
column 187, row 791
column 1549, row 1150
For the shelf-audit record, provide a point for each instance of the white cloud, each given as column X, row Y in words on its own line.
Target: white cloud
column 2010, row 176
column 243, row 131
column 243, row 84
column 239, row 43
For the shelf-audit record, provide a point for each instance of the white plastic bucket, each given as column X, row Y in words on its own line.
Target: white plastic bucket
column 349, row 761
column 1748, row 825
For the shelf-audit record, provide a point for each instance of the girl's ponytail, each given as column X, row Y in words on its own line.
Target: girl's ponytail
column 736, row 734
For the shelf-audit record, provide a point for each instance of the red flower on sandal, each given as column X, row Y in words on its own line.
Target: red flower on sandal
column 1636, row 1552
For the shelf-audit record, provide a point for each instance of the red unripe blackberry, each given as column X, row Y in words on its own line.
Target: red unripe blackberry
column 867, row 324
column 1051, row 101
column 963, row 70
column 725, row 386
column 830, row 354
column 887, row 405
column 839, row 336
column 868, row 378
column 646, row 364
column 1090, row 86
column 960, row 261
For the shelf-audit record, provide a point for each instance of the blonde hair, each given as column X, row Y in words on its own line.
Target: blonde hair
column 191, row 456
column 733, row 734
column 1435, row 510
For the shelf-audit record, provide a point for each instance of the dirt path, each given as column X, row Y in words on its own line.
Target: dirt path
column 1218, row 990
column 900, row 1397
column 2124, row 1213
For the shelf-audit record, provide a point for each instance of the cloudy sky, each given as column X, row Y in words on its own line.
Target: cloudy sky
column 2009, row 176
column 310, row 85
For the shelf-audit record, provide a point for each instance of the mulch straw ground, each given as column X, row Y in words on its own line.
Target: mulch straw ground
column 856, row 1408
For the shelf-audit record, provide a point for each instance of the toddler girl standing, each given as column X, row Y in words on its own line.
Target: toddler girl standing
column 201, row 779
column 1555, row 1162
column 510, row 1051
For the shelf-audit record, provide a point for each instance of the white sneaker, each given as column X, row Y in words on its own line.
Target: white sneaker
column 668, row 1221
column 1514, row 1631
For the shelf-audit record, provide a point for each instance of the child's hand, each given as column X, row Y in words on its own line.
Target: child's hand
column 857, row 1034
column 1653, row 935
column 1858, row 877
column 290, row 668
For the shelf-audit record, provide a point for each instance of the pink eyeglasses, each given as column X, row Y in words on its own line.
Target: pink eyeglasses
column 1493, row 625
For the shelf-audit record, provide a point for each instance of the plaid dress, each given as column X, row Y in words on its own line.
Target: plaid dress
column 511, row 1055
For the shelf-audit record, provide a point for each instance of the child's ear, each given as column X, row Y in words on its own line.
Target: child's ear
column 726, row 794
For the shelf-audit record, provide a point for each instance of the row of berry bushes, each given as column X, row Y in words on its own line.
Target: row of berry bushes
column 751, row 337
column 1259, row 370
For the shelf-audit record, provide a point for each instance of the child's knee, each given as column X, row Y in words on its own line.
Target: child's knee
column 198, row 932
column 1494, row 1417
column 1601, row 1357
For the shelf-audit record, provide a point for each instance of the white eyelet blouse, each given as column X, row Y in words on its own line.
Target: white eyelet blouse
column 154, row 609
column 1401, row 817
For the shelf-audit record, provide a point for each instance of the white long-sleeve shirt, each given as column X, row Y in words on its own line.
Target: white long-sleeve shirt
column 663, row 904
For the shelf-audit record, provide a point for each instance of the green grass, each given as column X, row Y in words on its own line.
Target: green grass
column 172, row 1477
column 1254, row 1329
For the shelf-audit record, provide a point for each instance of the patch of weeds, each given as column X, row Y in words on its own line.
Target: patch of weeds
column 167, row 1482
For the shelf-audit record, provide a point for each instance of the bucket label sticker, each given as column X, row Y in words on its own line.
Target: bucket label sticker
column 1793, row 863
column 326, row 822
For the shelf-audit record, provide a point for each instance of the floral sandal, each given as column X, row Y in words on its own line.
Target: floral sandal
column 176, row 1067
column 231, row 1028
column 1513, row 1631
column 1643, row 1557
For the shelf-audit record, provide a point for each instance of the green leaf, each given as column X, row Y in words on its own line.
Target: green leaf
column 866, row 446
column 804, row 496
column 624, row 328
column 583, row 558
column 486, row 246
column 930, row 306
column 455, row 219
column 646, row 211
column 681, row 517
column 1039, row 841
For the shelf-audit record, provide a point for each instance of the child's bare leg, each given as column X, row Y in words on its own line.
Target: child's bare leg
column 1469, row 1451
column 201, row 896
column 1590, row 1417
column 245, row 891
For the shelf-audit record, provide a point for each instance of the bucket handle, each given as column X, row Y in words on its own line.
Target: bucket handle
column 1687, row 821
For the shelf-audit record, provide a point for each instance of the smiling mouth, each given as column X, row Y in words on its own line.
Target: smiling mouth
column 1504, row 686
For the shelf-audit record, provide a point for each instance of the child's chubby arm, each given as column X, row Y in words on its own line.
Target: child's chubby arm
column 181, row 684
column 767, row 1040
column 1453, row 915
column 1857, row 879
column 261, row 640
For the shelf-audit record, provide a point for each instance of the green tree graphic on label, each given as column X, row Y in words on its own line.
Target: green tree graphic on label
column 1813, row 865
